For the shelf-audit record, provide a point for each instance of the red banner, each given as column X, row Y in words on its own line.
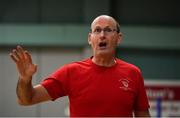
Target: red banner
column 164, row 92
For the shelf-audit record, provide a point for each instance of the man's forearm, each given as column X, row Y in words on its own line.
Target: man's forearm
column 24, row 91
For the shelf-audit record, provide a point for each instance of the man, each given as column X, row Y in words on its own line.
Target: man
column 98, row 86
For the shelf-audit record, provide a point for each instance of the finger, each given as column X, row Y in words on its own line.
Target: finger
column 14, row 58
column 15, row 53
column 28, row 56
column 20, row 51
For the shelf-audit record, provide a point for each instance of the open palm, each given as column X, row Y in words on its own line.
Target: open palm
column 23, row 61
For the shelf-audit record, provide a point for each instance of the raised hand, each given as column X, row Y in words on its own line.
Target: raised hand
column 24, row 63
column 27, row 93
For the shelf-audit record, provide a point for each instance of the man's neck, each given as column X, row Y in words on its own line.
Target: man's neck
column 106, row 61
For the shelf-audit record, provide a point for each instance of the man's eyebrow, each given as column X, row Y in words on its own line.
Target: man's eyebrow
column 97, row 27
column 100, row 27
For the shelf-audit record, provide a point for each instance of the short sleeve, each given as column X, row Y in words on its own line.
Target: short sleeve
column 56, row 83
column 141, row 102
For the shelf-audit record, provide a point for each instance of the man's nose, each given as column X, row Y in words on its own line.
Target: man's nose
column 102, row 33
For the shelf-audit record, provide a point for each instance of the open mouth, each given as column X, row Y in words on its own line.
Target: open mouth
column 102, row 44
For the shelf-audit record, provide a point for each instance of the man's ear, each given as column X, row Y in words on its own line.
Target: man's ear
column 89, row 38
column 119, row 38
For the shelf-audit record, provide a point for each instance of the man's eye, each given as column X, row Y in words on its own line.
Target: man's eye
column 97, row 30
column 107, row 30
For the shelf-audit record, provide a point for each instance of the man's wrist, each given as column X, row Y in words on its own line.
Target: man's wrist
column 26, row 79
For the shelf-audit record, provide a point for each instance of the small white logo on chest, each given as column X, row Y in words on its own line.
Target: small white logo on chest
column 124, row 84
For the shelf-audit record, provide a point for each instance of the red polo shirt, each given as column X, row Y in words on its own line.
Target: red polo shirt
column 99, row 91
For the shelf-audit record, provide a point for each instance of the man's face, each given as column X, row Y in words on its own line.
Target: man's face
column 104, row 37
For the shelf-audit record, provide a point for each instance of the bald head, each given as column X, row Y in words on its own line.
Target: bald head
column 107, row 18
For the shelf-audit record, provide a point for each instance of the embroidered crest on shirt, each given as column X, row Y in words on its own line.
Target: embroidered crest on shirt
column 124, row 84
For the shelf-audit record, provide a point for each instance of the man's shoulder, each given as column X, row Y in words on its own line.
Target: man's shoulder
column 127, row 65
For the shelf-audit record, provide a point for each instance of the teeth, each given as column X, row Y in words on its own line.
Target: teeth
column 102, row 44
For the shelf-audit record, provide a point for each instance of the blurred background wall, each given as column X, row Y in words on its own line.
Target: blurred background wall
column 55, row 32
